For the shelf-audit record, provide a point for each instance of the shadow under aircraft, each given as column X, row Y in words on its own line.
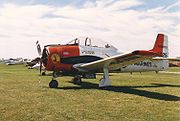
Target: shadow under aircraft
column 134, row 90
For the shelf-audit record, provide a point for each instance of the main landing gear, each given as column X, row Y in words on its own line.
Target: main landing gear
column 105, row 82
column 77, row 80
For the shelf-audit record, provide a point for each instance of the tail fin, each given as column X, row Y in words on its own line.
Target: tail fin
column 161, row 45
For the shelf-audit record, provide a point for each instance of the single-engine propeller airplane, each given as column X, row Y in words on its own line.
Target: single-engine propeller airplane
column 83, row 58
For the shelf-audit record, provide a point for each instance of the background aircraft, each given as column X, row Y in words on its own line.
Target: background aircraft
column 14, row 61
column 84, row 57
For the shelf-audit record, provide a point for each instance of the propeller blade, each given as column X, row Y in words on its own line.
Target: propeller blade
column 40, row 69
column 38, row 48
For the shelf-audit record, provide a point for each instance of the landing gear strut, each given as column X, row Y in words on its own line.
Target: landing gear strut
column 77, row 80
column 53, row 83
column 104, row 82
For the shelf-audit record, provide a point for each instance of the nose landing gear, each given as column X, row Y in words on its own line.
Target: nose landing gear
column 53, row 83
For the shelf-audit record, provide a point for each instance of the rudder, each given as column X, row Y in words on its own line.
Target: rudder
column 161, row 45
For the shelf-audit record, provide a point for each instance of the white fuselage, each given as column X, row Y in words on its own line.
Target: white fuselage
column 103, row 52
column 147, row 65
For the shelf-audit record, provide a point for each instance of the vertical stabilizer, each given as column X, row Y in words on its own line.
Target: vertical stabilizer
column 161, row 45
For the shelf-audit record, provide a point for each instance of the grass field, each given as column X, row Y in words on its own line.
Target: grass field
column 25, row 96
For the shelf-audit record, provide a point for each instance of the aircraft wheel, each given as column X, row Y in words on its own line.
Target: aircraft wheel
column 77, row 80
column 43, row 73
column 53, row 84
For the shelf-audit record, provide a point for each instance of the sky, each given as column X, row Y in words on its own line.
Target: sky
column 127, row 24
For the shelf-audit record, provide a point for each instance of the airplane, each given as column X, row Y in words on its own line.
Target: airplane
column 33, row 64
column 1, row 60
column 36, row 66
column 84, row 57
column 13, row 61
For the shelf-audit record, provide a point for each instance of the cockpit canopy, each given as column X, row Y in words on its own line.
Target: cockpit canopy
column 86, row 41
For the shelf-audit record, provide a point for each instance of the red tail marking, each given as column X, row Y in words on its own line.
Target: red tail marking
column 158, row 47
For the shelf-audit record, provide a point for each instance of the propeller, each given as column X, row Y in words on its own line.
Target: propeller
column 40, row 68
column 38, row 48
column 40, row 54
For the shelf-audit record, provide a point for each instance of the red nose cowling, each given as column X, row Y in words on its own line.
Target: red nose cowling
column 52, row 56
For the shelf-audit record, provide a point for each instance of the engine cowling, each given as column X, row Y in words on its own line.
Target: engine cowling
column 52, row 56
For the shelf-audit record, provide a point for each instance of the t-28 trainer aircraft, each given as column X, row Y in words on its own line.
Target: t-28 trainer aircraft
column 84, row 57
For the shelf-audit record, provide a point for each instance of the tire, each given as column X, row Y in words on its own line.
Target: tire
column 77, row 80
column 43, row 73
column 53, row 84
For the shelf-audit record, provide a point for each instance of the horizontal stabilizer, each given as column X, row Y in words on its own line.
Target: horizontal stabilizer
column 170, row 59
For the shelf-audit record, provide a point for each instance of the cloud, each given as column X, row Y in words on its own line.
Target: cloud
column 112, row 21
column 175, row 5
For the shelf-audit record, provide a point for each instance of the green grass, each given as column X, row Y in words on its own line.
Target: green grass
column 174, row 69
column 25, row 96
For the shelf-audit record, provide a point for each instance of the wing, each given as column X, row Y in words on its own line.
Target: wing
column 160, row 49
column 118, row 61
